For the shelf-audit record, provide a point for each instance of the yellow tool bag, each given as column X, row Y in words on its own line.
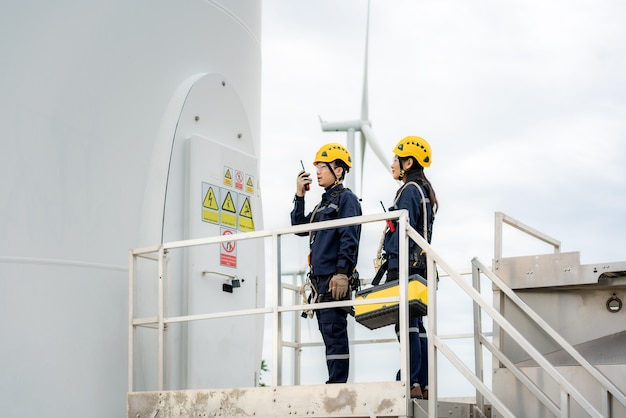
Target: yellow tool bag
column 376, row 315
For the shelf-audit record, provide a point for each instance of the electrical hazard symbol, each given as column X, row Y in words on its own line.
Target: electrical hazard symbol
column 249, row 184
column 209, row 200
column 229, row 213
column 246, row 221
column 210, row 208
column 227, row 208
column 228, row 176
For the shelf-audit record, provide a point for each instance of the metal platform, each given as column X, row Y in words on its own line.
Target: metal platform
column 381, row 399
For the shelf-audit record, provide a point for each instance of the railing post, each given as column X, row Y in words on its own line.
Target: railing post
column 276, row 316
column 431, row 277
column 605, row 400
column 403, row 260
column 297, row 336
column 478, row 347
column 497, row 242
column 160, row 322
column 131, row 327
column 565, row 403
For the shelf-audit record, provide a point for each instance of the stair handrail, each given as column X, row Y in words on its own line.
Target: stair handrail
column 502, row 218
column 606, row 384
column 435, row 262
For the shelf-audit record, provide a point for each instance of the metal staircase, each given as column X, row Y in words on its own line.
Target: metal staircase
column 557, row 342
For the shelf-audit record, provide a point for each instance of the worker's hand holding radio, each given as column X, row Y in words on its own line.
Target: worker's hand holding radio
column 303, row 183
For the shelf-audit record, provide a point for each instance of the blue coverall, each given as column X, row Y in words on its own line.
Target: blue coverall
column 332, row 251
column 411, row 200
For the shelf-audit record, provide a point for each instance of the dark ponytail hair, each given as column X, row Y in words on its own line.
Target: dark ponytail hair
column 416, row 174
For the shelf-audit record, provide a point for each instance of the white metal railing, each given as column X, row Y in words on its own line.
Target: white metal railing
column 436, row 343
column 567, row 389
column 435, row 262
column 159, row 254
column 502, row 218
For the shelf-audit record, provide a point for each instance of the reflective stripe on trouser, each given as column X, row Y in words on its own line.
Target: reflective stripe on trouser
column 334, row 328
column 418, row 352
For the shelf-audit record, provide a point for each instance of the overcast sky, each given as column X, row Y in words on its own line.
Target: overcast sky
column 523, row 103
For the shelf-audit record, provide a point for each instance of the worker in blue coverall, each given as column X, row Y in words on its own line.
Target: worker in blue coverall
column 411, row 155
column 333, row 252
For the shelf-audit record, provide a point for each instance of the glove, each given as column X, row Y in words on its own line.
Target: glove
column 339, row 286
column 302, row 183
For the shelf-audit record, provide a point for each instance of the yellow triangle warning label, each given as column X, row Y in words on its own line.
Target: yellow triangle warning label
column 228, row 204
column 246, row 210
column 209, row 200
column 250, row 184
column 228, row 176
column 246, row 223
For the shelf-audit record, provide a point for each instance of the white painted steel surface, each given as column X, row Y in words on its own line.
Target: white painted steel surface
column 91, row 96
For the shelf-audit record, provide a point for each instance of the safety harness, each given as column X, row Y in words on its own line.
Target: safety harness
column 308, row 291
column 380, row 262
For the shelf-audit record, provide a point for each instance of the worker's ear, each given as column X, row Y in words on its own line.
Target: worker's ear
column 408, row 164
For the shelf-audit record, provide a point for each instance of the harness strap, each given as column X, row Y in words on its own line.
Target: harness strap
column 379, row 274
column 331, row 203
column 383, row 267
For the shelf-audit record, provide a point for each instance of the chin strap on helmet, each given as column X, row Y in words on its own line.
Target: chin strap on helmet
column 336, row 182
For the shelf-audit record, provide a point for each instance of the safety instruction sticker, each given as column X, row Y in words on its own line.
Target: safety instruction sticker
column 249, row 183
column 226, row 207
column 239, row 179
column 228, row 250
column 228, row 176
column 229, row 212
column 210, row 208
column 246, row 221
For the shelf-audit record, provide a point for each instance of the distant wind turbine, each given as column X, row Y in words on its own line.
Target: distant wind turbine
column 363, row 125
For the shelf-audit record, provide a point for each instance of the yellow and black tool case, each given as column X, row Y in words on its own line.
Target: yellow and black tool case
column 376, row 315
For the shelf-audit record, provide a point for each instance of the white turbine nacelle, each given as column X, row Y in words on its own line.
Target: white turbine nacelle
column 363, row 126
column 345, row 126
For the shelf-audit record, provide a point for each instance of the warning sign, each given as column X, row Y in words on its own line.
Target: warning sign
column 228, row 176
column 246, row 221
column 222, row 206
column 228, row 250
column 210, row 208
column 249, row 183
column 239, row 180
column 229, row 213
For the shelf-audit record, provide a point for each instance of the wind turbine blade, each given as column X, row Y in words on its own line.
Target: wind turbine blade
column 364, row 97
column 361, row 158
column 367, row 131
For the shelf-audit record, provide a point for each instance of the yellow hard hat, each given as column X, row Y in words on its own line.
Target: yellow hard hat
column 331, row 152
column 416, row 147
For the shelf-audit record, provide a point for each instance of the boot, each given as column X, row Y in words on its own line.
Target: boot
column 416, row 392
